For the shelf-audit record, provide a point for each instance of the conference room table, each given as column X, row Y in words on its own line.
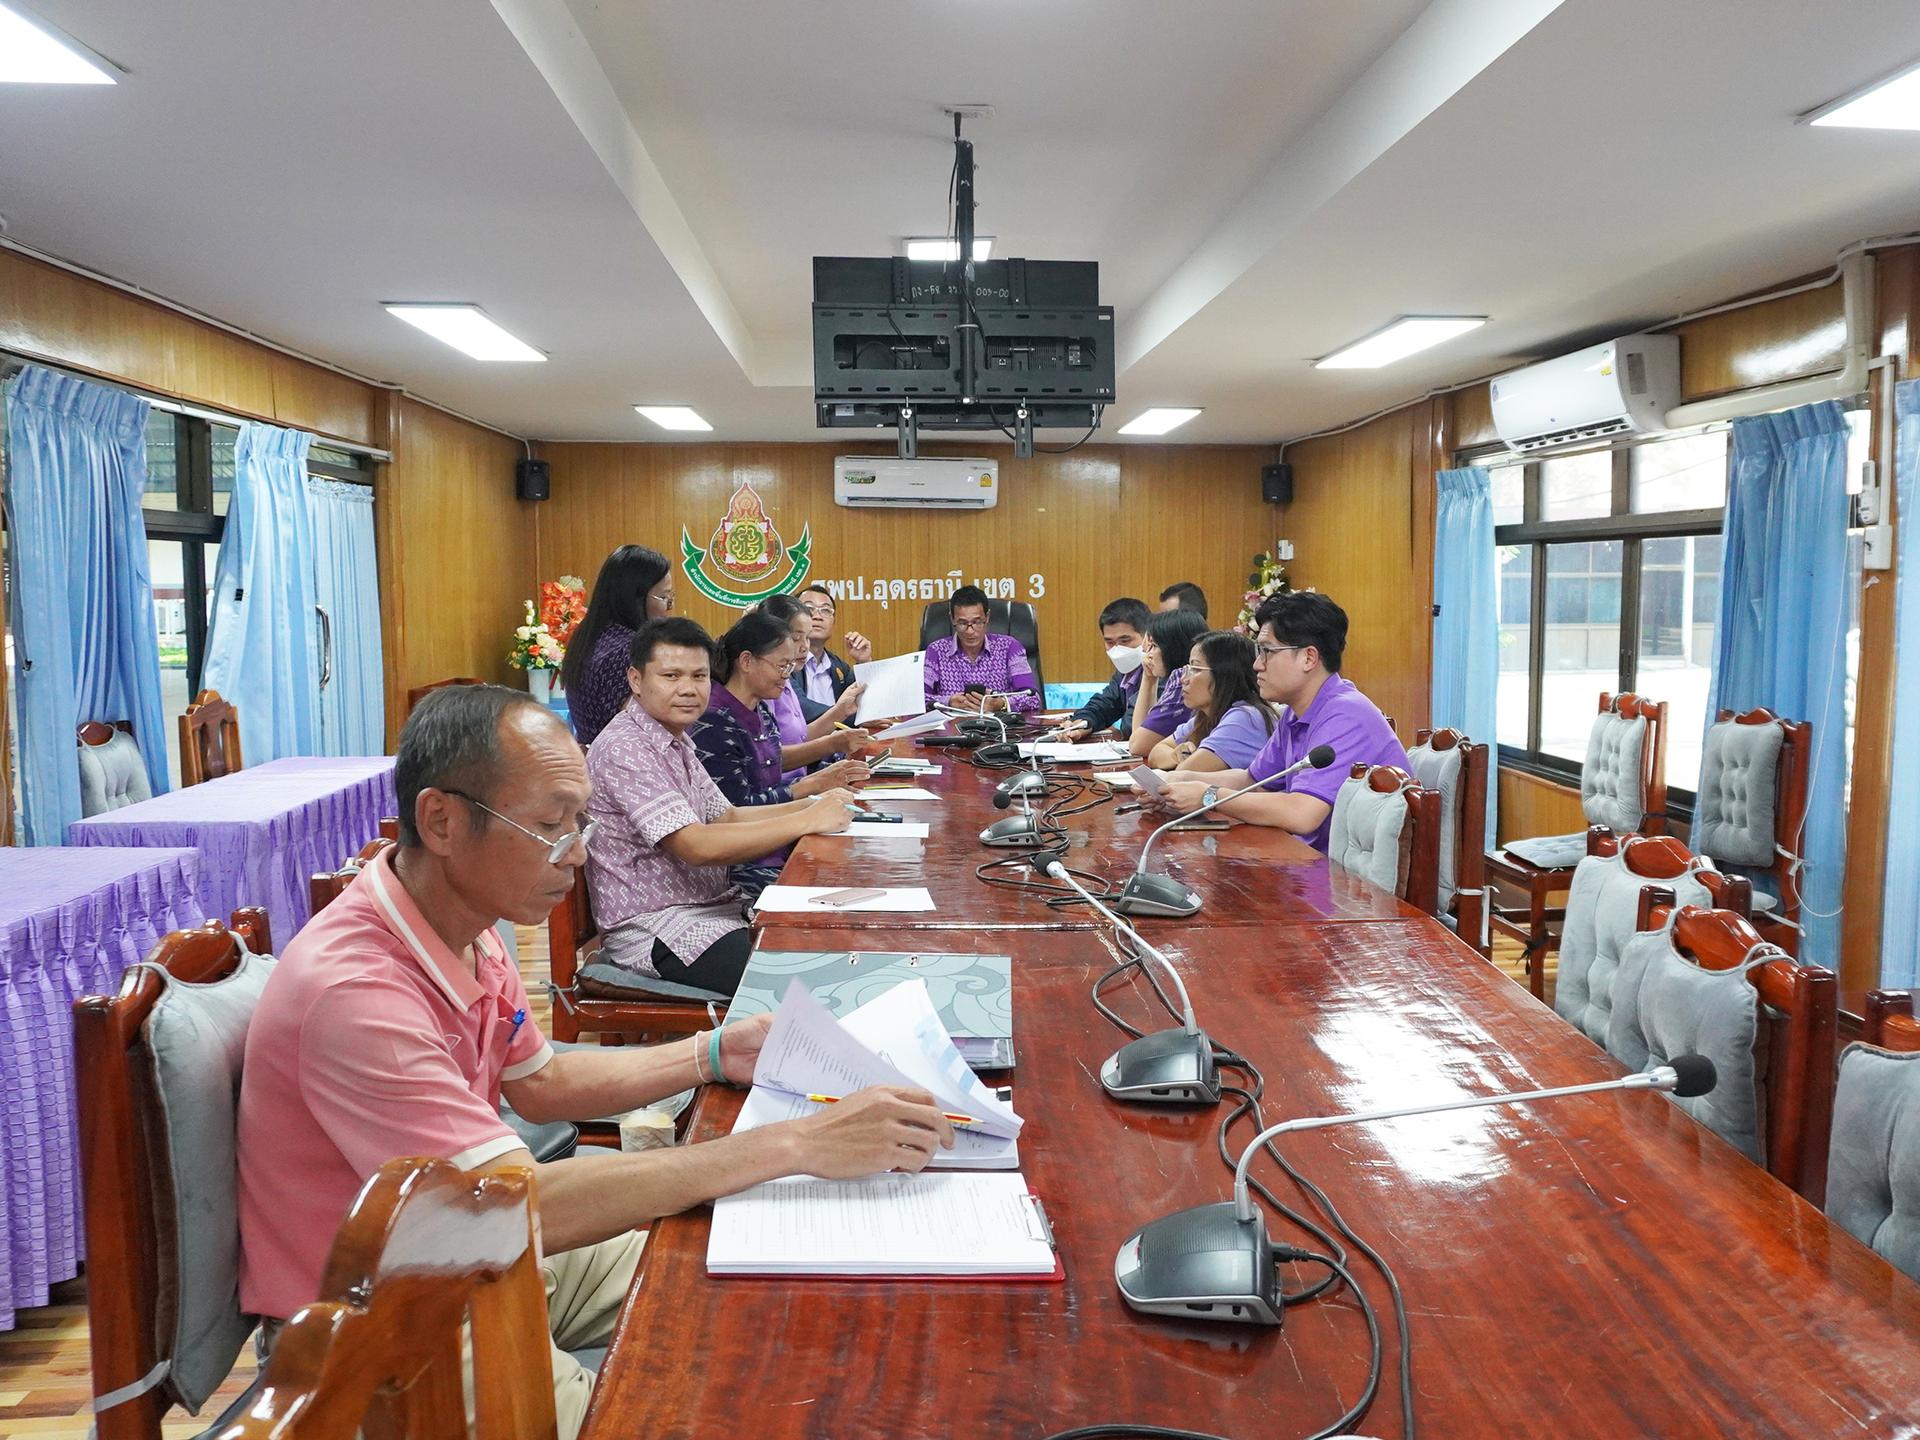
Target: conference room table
column 1595, row 1266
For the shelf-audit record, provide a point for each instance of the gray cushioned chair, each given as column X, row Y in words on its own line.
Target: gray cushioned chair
column 1603, row 910
column 1752, row 808
column 1386, row 829
column 113, row 773
column 1448, row 762
column 1873, row 1169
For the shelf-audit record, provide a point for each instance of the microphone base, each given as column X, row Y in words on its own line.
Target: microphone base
column 1201, row 1264
column 1158, row 896
column 1169, row 1067
column 1016, row 832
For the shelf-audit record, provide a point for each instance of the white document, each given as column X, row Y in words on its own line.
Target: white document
column 798, row 899
column 903, row 765
column 882, row 1225
column 972, row 1149
column 1149, row 779
column 882, row 830
column 920, row 725
column 894, row 687
column 1119, row 779
column 1100, row 752
column 890, row 793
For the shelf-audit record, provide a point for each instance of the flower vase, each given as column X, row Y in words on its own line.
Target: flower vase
column 540, row 685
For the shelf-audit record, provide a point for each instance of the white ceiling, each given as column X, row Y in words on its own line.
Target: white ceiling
column 637, row 186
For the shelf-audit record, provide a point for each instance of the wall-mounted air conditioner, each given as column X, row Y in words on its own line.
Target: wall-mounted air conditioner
column 940, row 483
column 1622, row 387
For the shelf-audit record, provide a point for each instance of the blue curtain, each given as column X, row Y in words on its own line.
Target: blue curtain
column 1466, row 625
column 84, row 642
column 263, row 641
column 346, row 587
column 1900, row 915
column 1787, row 587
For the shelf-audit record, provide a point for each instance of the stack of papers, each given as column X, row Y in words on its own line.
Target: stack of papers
column 894, row 687
column 891, row 792
column 1100, row 752
column 865, row 827
column 904, row 765
column 919, row 725
column 799, row 899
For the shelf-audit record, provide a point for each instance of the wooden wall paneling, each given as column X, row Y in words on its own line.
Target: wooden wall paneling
column 1781, row 339
column 1099, row 522
column 1532, row 806
column 456, row 552
column 1473, row 418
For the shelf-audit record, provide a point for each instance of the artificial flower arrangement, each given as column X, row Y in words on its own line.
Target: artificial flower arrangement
column 1269, row 577
column 563, row 605
column 534, row 646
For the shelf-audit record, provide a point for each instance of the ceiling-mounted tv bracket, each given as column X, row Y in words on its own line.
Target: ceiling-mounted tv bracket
column 909, row 434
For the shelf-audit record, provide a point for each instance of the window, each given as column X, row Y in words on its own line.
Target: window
column 184, row 526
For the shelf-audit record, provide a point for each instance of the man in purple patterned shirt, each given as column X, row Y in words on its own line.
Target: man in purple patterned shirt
column 973, row 670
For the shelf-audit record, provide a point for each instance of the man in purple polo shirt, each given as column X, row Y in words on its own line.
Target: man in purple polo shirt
column 994, row 666
column 1297, row 660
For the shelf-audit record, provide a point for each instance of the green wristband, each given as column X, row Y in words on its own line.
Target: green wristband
column 713, row 1056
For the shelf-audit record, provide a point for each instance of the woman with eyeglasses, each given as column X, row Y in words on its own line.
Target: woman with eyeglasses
column 739, row 741
column 1230, row 723
column 635, row 585
column 808, row 736
column 1159, row 708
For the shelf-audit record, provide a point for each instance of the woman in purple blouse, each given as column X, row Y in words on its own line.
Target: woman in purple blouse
column 1159, row 708
column 739, row 740
column 1230, row 723
column 635, row 585
column 805, row 742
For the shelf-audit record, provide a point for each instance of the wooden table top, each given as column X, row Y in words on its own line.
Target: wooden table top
column 1245, row 875
column 1597, row 1266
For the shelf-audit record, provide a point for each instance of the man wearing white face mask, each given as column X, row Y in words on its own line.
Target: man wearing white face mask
column 1122, row 624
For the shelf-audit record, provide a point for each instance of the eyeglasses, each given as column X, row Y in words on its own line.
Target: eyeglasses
column 979, row 624
column 1266, row 651
column 818, row 611
column 1193, row 669
column 557, row 850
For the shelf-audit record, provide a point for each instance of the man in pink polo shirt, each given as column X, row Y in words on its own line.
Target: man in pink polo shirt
column 395, row 1022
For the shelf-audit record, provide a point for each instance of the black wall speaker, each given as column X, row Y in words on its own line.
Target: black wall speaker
column 1276, row 484
column 533, row 479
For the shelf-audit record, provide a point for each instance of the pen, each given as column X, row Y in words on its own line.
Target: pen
column 835, row 1100
column 519, row 1019
column 1128, row 809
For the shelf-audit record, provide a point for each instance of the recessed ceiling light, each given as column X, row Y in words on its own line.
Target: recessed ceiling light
column 468, row 329
column 673, row 417
column 1889, row 104
column 1406, row 336
column 32, row 53
column 1157, row 421
column 939, row 247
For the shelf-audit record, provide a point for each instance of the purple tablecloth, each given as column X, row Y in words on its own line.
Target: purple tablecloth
column 71, row 921
column 261, row 833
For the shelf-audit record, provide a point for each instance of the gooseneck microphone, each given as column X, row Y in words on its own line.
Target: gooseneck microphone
column 1215, row 1262
column 1145, row 894
column 1168, row 1067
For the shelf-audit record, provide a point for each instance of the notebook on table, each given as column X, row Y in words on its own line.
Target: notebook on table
column 972, row 993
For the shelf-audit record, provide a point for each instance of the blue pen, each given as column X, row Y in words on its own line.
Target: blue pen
column 519, row 1019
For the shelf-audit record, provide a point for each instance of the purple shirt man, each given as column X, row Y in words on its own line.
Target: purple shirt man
column 819, row 673
column 1001, row 666
column 1342, row 717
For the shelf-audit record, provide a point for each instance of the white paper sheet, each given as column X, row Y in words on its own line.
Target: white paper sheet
column 920, row 725
column 1149, row 779
column 796, row 899
column 881, row 830
column 891, row 793
column 1119, row 779
column 1100, row 752
column 895, row 686
column 972, row 1149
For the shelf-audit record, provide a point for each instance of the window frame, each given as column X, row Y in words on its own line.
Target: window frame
column 1631, row 529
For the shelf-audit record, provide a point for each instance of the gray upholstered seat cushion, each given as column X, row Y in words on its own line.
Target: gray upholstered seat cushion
column 1873, row 1166
column 1550, row 852
column 1665, row 1005
column 112, row 775
column 1369, row 834
column 616, row 981
column 194, row 1041
column 1735, row 810
column 1440, row 770
column 1602, row 906
column 1610, row 785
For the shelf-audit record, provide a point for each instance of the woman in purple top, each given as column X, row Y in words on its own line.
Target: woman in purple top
column 805, row 742
column 635, row 585
column 739, row 740
column 1158, row 707
column 1230, row 723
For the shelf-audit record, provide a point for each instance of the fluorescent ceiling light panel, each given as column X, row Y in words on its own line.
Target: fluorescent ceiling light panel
column 1157, row 421
column 1406, row 336
column 938, row 247
column 468, row 329
column 673, row 417
column 32, row 54
column 1890, row 104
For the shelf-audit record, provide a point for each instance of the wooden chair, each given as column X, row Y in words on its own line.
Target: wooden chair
column 1801, row 1010
column 1778, row 917
column 209, row 739
column 1531, row 923
column 1468, row 902
column 1890, row 1021
column 390, row 828
column 112, row 771
column 324, row 888
column 1663, row 857
column 1420, row 842
column 425, row 1249
column 573, row 943
column 418, row 692
column 122, row 1180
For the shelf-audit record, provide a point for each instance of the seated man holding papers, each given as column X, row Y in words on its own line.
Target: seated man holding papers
column 823, row 676
column 664, row 834
column 1123, row 628
column 395, row 1022
column 972, row 670
column 1297, row 657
